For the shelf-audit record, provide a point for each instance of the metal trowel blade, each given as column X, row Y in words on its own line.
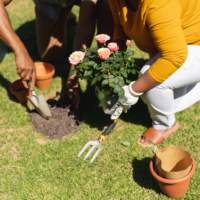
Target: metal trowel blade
column 33, row 100
column 42, row 104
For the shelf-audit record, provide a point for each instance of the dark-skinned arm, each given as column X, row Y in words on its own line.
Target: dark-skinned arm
column 144, row 83
column 25, row 65
column 84, row 35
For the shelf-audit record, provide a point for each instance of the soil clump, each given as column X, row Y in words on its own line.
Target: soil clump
column 63, row 122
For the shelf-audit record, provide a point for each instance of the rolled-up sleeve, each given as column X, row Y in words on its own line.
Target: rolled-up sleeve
column 164, row 22
column 118, row 29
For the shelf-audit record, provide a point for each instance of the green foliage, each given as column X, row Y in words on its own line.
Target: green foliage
column 108, row 75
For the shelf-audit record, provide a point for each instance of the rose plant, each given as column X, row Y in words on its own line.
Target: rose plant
column 106, row 67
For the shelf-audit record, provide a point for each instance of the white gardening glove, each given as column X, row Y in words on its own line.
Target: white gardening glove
column 130, row 98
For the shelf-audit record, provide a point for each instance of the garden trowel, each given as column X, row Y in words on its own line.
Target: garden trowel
column 39, row 103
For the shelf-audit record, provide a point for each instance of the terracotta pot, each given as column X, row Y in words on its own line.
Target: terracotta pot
column 173, row 188
column 20, row 90
column 173, row 162
column 44, row 75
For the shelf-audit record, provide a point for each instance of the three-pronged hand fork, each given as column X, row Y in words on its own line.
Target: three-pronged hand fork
column 94, row 144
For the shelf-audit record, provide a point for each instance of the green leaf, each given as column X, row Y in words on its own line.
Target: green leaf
column 121, row 83
column 101, row 95
column 85, row 59
column 126, row 56
column 117, row 59
column 129, row 70
column 115, row 72
column 130, row 52
column 128, row 81
column 121, row 93
column 120, row 78
column 85, row 67
column 90, row 63
column 124, row 74
column 104, row 82
column 99, row 146
column 107, row 92
column 112, row 85
column 92, row 56
column 112, row 80
column 132, row 60
column 117, row 89
column 94, row 80
column 116, row 65
column 99, row 77
column 125, row 143
column 133, row 71
column 72, row 72
column 87, row 73
column 88, row 53
column 111, row 76
column 105, row 75
column 95, row 66
column 109, row 59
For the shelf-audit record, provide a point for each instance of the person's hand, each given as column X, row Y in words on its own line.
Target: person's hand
column 115, row 108
column 25, row 67
column 74, row 90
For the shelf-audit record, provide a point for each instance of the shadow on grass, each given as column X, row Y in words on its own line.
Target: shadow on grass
column 142, row 175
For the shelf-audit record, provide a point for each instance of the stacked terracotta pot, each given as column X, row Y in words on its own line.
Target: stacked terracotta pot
column 173, row 167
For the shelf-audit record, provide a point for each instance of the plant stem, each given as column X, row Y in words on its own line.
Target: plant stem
column 126, row 66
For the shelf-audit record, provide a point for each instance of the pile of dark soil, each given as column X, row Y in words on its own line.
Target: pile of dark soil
column 63, row 122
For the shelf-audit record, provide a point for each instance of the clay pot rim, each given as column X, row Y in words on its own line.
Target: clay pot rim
column 41, row 64
column 13, row 91
column 170, row 181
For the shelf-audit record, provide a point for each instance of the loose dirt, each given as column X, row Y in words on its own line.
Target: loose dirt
column 63, row 122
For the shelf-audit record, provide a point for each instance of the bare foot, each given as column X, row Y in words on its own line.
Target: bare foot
column 146, row 141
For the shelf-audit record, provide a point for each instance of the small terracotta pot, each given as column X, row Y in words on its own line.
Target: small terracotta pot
column 20, row 90
column 44, row 75
column 173, row 188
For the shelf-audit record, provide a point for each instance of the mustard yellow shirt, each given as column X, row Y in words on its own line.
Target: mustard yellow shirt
column 164, row 26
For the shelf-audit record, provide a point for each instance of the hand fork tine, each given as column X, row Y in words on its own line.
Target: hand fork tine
column 91, row 150
column 95, row 143
column 96, row 154
column 84, row 148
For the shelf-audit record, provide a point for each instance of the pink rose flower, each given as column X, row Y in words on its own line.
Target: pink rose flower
column 128, row 42
column 76, row 57
column 113, row 46
column 84, row 46
column 102, row 38
column 104, row 53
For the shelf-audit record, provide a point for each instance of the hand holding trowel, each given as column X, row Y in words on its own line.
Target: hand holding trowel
column 39, row 102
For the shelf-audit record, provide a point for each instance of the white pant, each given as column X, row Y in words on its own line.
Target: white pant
column 178, row 92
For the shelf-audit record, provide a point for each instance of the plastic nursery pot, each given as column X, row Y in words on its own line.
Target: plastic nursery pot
column 20, row 90
column 44, row 75
column 173, row 188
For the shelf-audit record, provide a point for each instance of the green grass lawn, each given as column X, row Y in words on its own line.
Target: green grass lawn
column 35, row 167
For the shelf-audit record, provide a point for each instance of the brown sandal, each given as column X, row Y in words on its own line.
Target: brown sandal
column 156, row 137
